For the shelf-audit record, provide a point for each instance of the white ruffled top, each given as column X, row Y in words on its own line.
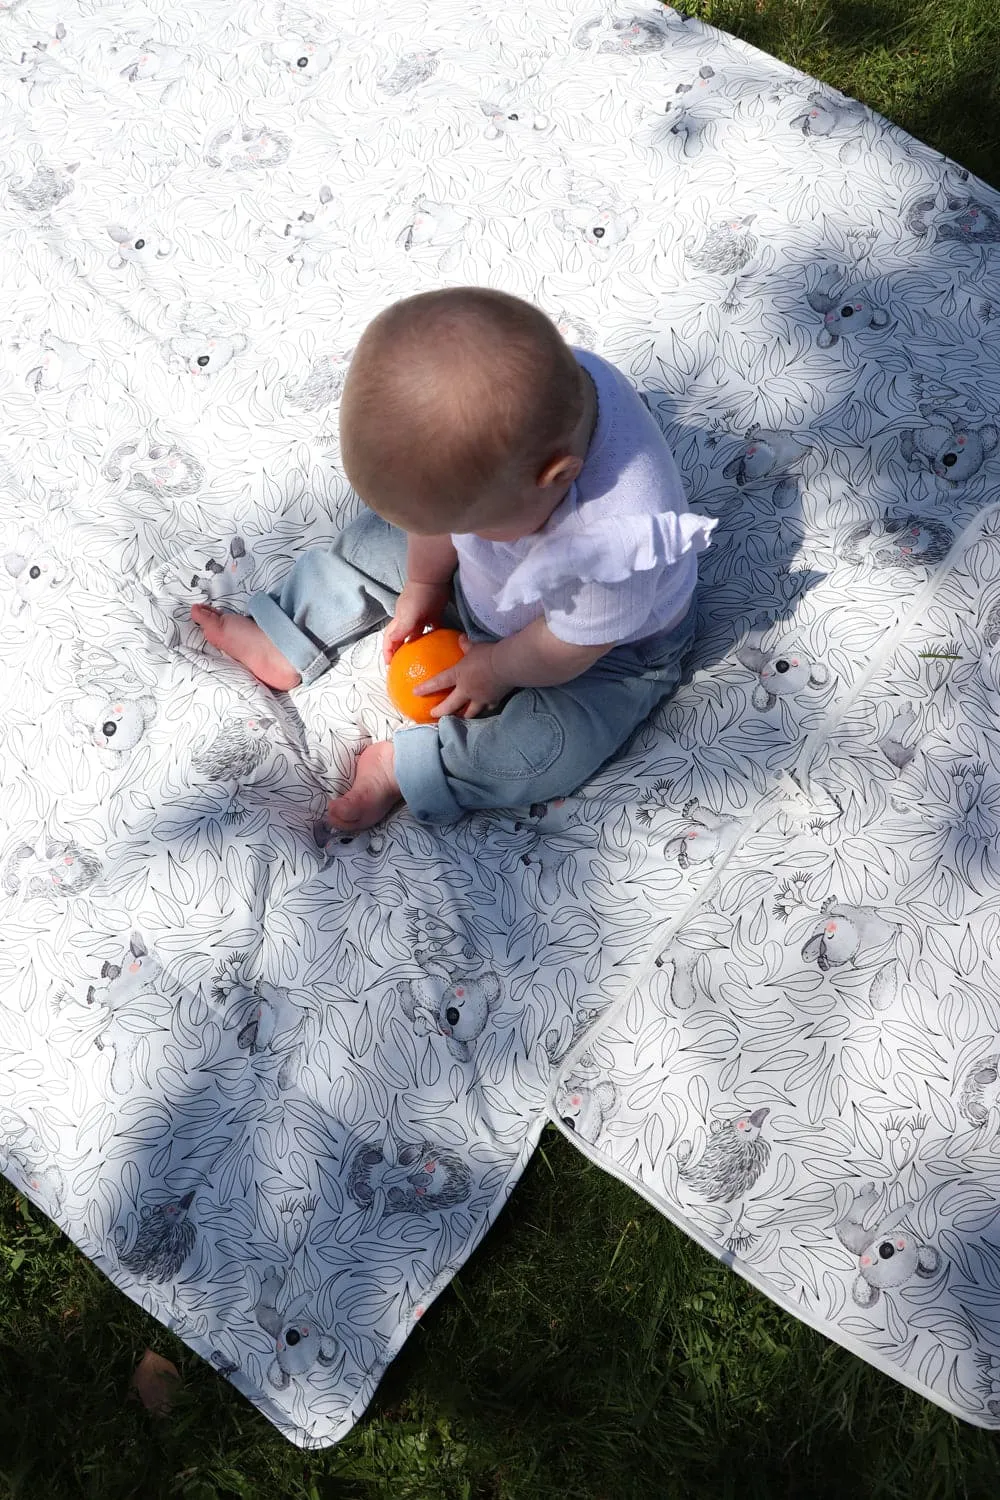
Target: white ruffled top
column 617, row 560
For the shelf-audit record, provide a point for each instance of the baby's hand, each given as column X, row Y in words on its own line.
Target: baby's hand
column 419, row 605
column 474, row 683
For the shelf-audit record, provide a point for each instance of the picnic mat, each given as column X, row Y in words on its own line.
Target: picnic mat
column 279, row 1090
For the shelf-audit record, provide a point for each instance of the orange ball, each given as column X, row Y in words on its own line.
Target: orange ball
column 416, row 661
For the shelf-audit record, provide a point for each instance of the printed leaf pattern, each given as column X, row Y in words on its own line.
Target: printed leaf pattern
column 279, row 1091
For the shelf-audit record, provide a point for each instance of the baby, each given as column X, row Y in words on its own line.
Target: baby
column 523, row 486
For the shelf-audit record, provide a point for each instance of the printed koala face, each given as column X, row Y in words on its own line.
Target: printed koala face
column 297, row 1348
column 890, row 1261
column 117, row 726
column 203, row 355
column 302, row 59
column 519, row 121
column 601, row 228
column 785, row 675
column 582, row 1110
column 837, row 942
column 850, row 317
column 463, row 1011
column 433, row 224
column 138, row 247
column 35, row 570
column 127, row 980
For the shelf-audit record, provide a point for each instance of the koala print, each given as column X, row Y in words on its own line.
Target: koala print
column 436, row 227
column 557, row 832
column 43, row 192
column 628, row 36
column 845, row 312
column 35, row 571
column 115, row 725
column 861, row 937
column 764, row 456
column 683, row 992
column 706, row 835
column 125, row 982
column 335, row 843
column 417, row 1179
column 137, row 247
column 165, row 1238
column 267, row 1018
column 888, row 1257
column 829, row 115
column 683, row 118
column 601, row 225
column 42, row 67
column 460, row 1015
column 24, row 1154
column 516, row 122
column 316, row 233
column 781, row 672
column 584, row 1106
column 905, row 542
column 734, row 1158
column 162, row 469
column 236, row 149
column 948, row 446
column 299, row 57
column 153, row 62
column 323, row 384
column 298, row 1344
column 413, row 69
column 61, row 366
column 238, row 749
column 49, row 870
column 979, row 1091
column 896, row 744
column 223, row 580
column 204, row 354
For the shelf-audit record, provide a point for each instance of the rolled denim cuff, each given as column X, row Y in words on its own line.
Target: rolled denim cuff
column 421, row 775
column 298, row 649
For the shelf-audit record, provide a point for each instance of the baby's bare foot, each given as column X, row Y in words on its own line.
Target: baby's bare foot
column 243, row 640
column 374, row 793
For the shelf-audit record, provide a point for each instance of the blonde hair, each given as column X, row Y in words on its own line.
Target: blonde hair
column 450, row 394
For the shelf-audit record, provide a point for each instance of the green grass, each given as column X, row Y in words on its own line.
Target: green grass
column 589, row 1350
column 931, row 68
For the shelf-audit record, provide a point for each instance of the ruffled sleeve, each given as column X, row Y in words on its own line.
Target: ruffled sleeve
column 609, row 551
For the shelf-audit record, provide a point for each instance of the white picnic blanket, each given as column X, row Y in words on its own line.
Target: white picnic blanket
column 279, row 1093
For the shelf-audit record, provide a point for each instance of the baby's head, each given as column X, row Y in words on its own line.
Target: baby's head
column 462, row 411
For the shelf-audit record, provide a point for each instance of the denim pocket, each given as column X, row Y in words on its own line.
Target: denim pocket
column 522, row 741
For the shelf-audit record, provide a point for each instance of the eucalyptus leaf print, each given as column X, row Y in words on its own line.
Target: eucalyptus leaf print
column 278, row 1081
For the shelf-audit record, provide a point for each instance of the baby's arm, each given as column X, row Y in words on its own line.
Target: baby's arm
column 534, row 657
column 430, row 563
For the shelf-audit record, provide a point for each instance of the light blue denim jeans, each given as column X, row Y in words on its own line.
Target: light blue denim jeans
column 542, row 743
